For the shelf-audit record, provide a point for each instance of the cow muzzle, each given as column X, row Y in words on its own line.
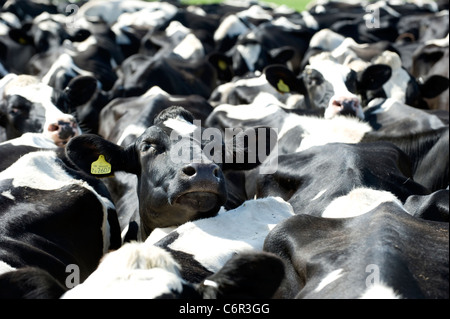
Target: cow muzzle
column 203, row 187
column 345, row 106
column 62, row 131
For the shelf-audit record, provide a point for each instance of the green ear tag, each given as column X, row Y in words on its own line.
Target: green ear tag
column 222, row 65
column 100, row 166
column 282, row 87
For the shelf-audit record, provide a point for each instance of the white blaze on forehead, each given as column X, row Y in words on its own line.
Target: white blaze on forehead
column 134, row 271
column 310, row 21
column 287, row 24
column 250, row 53
column 177, row 31
column 190, row 48
column 131, row 130
column 396, row 87
column 180, row 126
column 230, row 26
column 358, row 202
column 332, row 276
column 333, row 72
column 255, row 12
column 326, row 39
column 211, row 242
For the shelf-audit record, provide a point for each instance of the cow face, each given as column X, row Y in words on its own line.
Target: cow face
column 404, row 87
column 45, row 33
column 172, row 188
column 330, row 86
column 27, row 105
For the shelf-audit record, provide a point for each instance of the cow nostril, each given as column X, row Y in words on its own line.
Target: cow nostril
column 337, row 103
column 53, row 127
column 189, row 170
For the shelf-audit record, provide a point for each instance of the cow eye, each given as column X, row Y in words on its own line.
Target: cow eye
column 314, row 80
column 145, row 147
column 149, row 146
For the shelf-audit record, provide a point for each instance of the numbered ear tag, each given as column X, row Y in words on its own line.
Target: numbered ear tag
column 222, row 65
column 100, row 166
column 283, row 87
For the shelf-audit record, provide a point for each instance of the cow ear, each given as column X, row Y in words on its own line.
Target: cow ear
column 433, row 86
column 283, row 79
column 245, row 150
column 80, row 90
column 373, row 77
column 80, row 35
column 223, row 65
column 98, row 157
column 22, row 35
column 245, row 276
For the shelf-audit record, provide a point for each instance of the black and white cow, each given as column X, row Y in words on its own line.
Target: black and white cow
column 362, row 250
column 141, row 271
column 200, row 248
column 275, row 42
column 14, row 53
column 296, row 132
column 139, row 73
column 402, row 85
column 244, row 90
column 432, row 59
column 175, row 40
column 329, row 86
column 28, row 105
column 309, row 180
column 13, row 149
column 53, row 218
column 405, row 88
column 430, row 207
column 177, row 180
column 422, row 135
column 123, row 120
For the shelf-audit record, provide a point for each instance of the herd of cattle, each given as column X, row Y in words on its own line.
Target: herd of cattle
column 347, row 100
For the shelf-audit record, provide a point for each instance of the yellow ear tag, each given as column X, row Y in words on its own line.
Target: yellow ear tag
column 100, row 166
column 282, row 87
column 22, row 40
column 222, row 65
